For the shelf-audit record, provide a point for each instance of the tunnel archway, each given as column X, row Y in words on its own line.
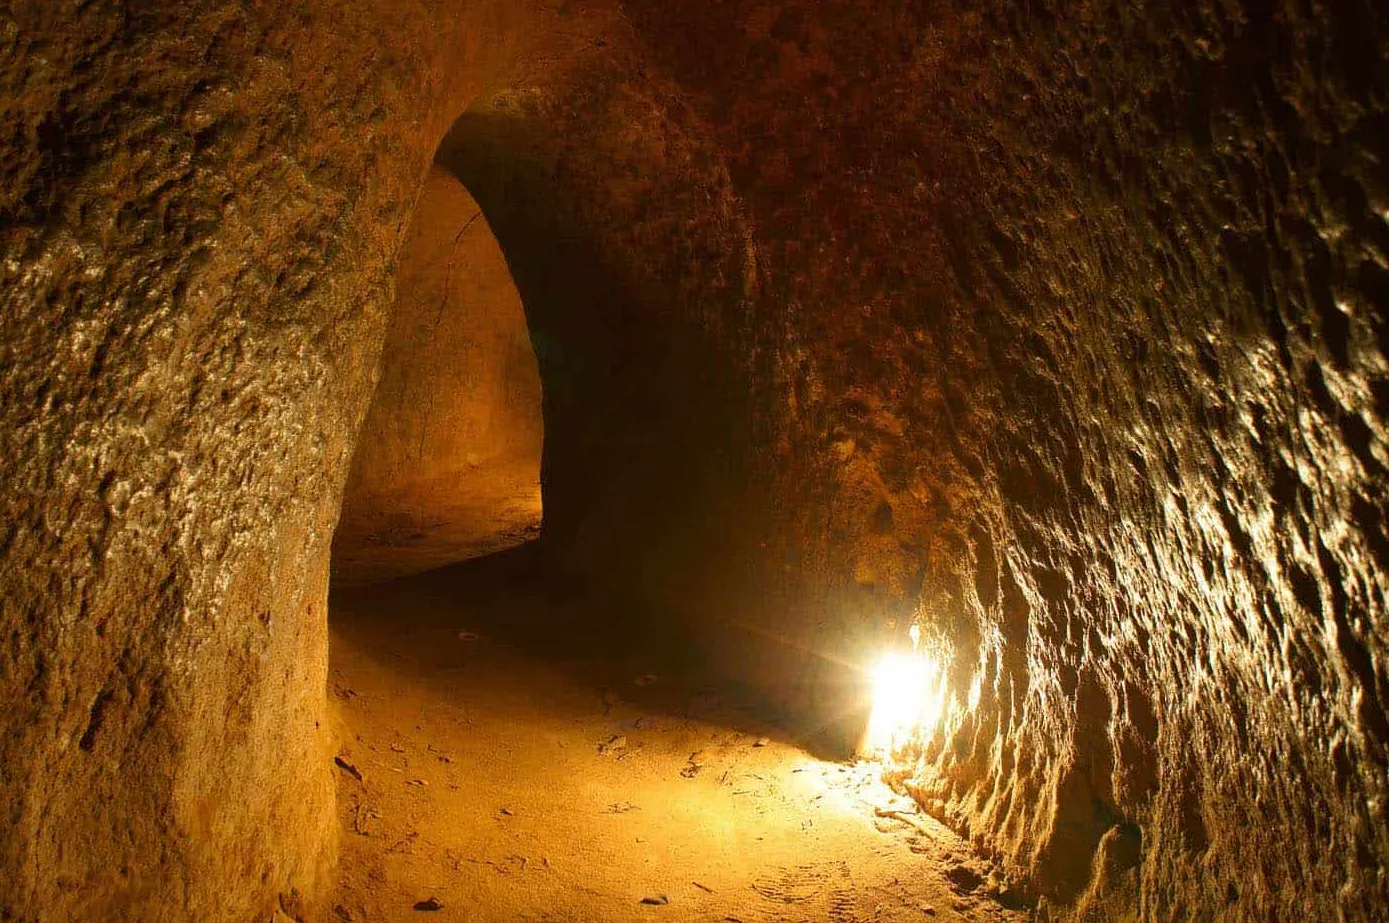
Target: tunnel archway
column 638, row 279
column 447, row 466
column 638, row 275
column 636, row 283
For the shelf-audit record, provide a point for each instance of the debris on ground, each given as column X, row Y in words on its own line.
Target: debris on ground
column 432, row 905
column 964, row 879
column 910, row 820
column 657, row 900
column 694, row 764
column 357, row 823
column 614, row 744
column 346, row 766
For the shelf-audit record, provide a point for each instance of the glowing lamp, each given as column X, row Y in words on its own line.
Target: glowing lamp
column 908, row 690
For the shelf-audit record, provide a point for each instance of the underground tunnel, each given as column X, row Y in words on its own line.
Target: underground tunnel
column 770, row 460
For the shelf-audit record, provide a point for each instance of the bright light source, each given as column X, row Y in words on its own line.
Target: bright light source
column 908, row 690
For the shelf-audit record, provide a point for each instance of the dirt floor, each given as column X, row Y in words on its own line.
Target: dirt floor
column 505, row 759
column 430, row 524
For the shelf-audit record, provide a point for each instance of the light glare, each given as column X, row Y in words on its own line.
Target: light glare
column 908, row 690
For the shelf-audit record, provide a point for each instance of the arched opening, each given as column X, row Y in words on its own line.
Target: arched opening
column 447, row 466
column 580, row 721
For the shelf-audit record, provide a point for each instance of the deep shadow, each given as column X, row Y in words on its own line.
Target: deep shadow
column 648, row 659
column 648, row 470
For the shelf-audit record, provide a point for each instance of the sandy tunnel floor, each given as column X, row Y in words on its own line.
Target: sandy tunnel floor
column 497, row 766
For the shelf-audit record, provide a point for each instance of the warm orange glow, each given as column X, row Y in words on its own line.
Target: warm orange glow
column 908, row 691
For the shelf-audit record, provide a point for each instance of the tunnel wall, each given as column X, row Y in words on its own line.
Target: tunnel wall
column 1086, row 349
column 447, row 465
column 200, row 207
column 1065, row 339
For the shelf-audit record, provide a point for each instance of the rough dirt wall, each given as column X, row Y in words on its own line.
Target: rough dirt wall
column 201, row 205
column 1088, row 345
column 447, row 465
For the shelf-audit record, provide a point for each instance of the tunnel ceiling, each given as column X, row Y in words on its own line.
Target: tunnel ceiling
column 1060, row 328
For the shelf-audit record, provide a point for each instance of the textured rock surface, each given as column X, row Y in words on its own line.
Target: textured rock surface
column 1060, row 327
column 448, row 461
column 1065, row 337
column 1091, row 339
column 201, row 205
